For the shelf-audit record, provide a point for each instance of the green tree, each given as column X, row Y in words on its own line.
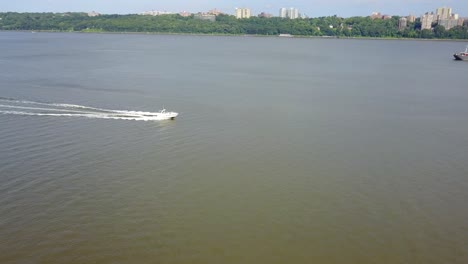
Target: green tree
column 439, row 31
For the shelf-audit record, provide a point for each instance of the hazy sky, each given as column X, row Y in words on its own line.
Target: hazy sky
column 312, row 8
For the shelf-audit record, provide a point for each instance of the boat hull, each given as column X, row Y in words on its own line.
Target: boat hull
column 160, row 116
column 460, row 57
column 170, row 116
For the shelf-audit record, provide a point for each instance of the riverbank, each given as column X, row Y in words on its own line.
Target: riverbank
column 234, row 35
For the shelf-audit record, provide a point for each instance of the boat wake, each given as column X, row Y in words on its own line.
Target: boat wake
column 10, row 106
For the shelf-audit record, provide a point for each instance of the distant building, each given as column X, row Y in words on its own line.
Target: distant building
column 291, row 13
column 203, row 16
column 448, row 23
column 215, row 12
column 411, row 19
column 266, row 15
column 461, row 21
column 242, row 13
column 443, row 13
column 445, row 18
column 376, row 15
column 185, row 14
column 155, row 13
column 402, row 23
column 426, row 21
column 283, row 12
column 93, row 14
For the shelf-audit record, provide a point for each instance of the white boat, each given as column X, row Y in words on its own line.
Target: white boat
column 463, row 56
column 161, row 115
column 145, row 116
column 168, row 115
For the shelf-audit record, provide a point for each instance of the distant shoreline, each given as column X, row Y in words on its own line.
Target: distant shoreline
column 234, row 35
column 227, row 25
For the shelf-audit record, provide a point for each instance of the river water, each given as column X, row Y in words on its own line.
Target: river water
column 285, row 150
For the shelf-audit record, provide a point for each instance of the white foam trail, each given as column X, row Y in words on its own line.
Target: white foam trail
column 56, row 105
column 101, row 116
column 42, row 108
column 83, row 107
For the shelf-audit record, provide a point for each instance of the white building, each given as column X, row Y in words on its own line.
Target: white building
column 283, row 12
column 291, row 13
column 242, row 13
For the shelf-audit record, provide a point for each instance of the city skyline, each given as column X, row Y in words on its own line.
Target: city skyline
column 312, row 8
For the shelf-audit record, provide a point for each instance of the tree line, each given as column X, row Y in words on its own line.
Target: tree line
column 225, row 24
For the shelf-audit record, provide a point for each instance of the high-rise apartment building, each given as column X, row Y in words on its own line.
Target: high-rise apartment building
column 426, row 20
column 445, row 18
column 283, row 13
column 242, row 13
column 443, row 13
column 291, row 13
